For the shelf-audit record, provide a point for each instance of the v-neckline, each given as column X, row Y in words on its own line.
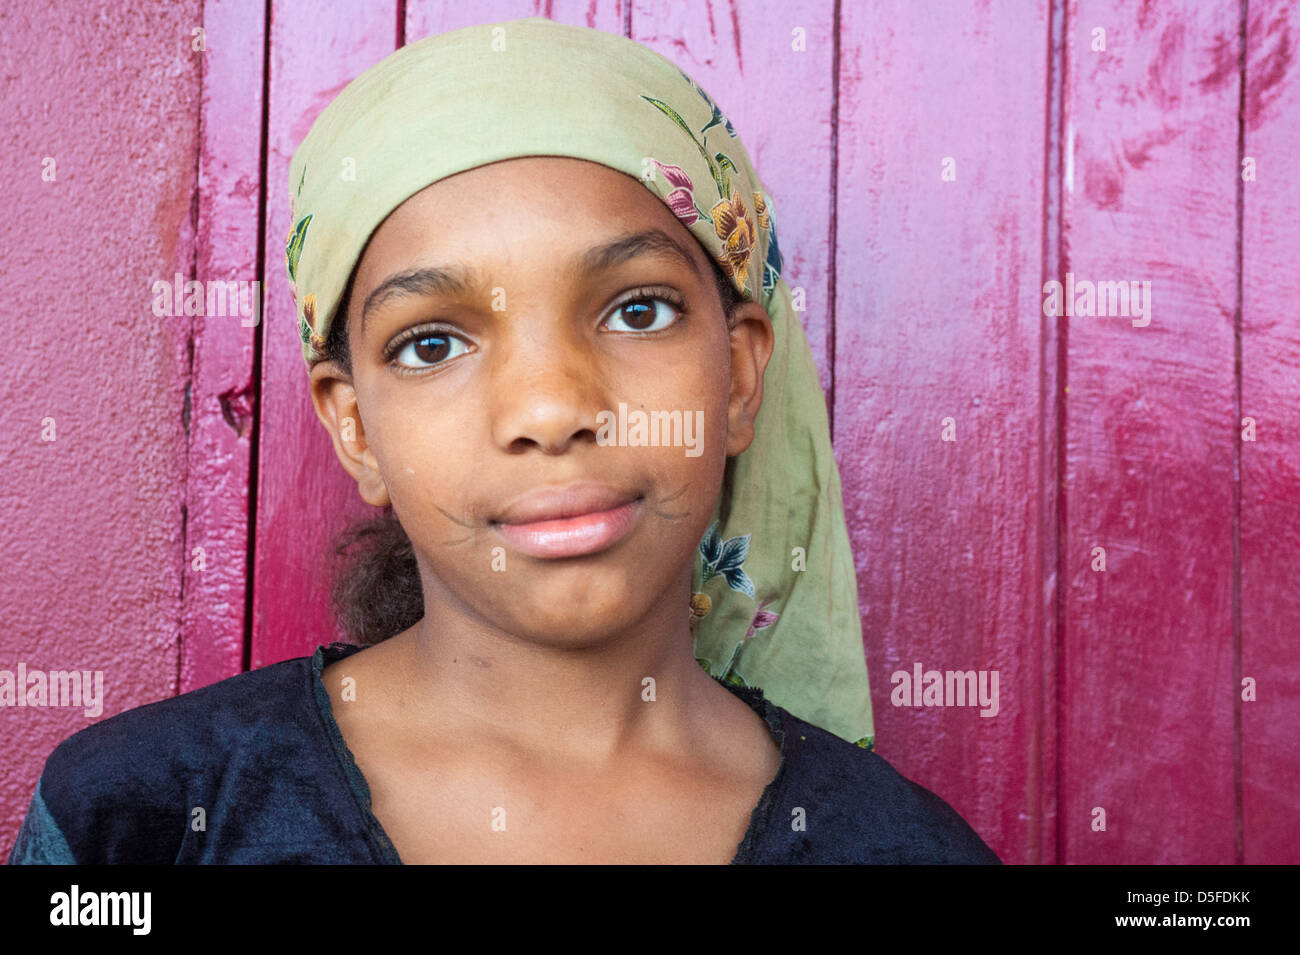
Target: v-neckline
column 772, row 715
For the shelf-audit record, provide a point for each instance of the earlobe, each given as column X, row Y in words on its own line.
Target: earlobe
column 335, row 401
column 752, row 340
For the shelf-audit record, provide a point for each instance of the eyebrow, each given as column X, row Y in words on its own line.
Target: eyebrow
column 461, row 280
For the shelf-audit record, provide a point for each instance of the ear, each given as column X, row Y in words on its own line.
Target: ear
column 752, row 340
column 335, row 400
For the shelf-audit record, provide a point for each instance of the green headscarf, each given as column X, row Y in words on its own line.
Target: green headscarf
column 775, row 602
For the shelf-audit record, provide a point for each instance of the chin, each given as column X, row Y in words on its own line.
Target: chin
column 576, row 620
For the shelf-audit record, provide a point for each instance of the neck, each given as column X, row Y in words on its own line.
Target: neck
column 591, row 703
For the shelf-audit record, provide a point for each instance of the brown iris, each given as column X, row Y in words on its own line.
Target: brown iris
column 432, row 348
column 635, row 312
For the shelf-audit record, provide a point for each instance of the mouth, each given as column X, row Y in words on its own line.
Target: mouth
column 569, row 521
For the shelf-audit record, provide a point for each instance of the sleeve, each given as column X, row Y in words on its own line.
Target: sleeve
column 951, row 838
column 40, row 840
column 108, row 795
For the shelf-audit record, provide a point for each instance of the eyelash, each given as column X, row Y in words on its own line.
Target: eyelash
column 657, row 295
column 667, row 296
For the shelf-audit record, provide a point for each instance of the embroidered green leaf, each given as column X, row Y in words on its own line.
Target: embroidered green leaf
column 671, row 114
column 717, row 120
column 735, row 679
column 725, row 558
column 725, row 163
column 681, row 124
column 730, row 670
column 294, row 247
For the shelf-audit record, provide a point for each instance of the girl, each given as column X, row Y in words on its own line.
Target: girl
column 547, row 333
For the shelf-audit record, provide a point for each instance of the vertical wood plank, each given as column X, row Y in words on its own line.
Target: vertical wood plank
column 1043, row 783
column 938, row 316
column 222, row 393
column 427, row 17
column 1146, row 695
column 781, row 102
column 91, row 566
column 1270, row 465
column 303, row 495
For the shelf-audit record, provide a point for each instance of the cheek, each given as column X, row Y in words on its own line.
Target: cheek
column 424, row 453
column 700, row 396
column 685, row 414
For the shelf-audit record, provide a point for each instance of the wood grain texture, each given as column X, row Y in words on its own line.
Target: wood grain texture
column 223, row 395
column 1146, row 703
column 924, row 301
column 428, row 17
column 938, row 316
column 1270, row 466
column 304, row 497
column 92, row 565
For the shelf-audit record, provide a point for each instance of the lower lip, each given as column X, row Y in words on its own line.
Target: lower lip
column 572, row 536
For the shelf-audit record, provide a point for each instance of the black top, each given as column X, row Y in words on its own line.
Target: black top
column 253, row 769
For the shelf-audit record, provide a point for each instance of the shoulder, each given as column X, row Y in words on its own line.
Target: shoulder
column 131, row 781
column 857, row 808
column 187, row 729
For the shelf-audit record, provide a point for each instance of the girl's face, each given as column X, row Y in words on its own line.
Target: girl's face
column 505, row 325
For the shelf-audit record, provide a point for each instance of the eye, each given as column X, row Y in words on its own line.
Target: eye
column 425, row 349
column 646, row 313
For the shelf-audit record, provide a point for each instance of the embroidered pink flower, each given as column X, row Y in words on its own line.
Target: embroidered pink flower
column 762, row 619
column 682, row 199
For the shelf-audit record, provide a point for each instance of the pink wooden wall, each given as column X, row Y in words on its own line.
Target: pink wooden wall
column 170, row 534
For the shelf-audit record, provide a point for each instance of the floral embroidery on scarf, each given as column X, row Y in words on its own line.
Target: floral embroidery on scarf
column 682, row 199
column 307, row 324
column 292, row 253
column 767, row 220
column 724, row 558
column 297, row 233
column 731, row 219
column 761, row 621
column 293, row 245
column 762, row 618
column 735, row 227
column 717, row 113
column 718, row 163
column 700, row 606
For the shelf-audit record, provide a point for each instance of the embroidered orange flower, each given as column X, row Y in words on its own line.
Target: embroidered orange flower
column 735, row 227
column 700, row 606
column 309, row 317
column 760, row 210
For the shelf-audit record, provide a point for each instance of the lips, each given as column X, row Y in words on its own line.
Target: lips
column 569, row 521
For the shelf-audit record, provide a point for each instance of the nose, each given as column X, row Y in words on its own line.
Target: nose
column 547, row 388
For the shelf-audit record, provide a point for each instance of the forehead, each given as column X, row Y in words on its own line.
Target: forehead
column 558, row 186
column 532, row 212
column 543, row 217
column 572, row 199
